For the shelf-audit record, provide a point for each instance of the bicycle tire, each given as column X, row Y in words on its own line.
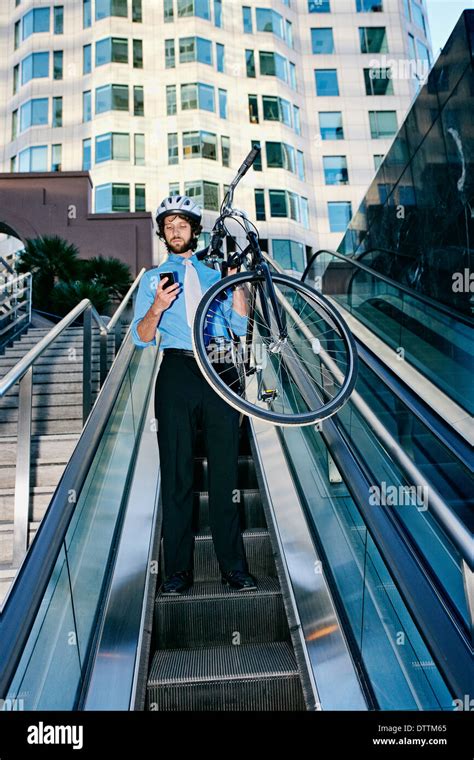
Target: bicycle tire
column 242, row 404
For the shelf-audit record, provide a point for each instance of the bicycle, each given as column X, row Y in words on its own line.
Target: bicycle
column 296, row 363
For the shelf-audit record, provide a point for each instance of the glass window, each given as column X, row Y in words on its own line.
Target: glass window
column 250, row 63
column 411, row 47
column 169, row 54
column 205, row 194
column 322, row 41
column 195, row 49
column 257, row 164
column 111, row 50
column 86, row 59
column 112, row 198
column 382, row 124
column 36, row 20
column 260, row 205
column 171, row 99
column 58, row 19
column 363, row 6
column 253, row 109
column 247, row 19
column 16, row 77
column 220, row 56
column 197, row 95
column 105, row 8
column 270, row 21
column 173, row 156
column 173, row 188
column 34, row 159
column 225, row 150
column 218, row 13
column 140, row 199
column 86, row 154
column 194, row 8
column 335, row 170
column 34, row 113
column 418, row 17
column 58, row 64
column 406, row 6
column 86, row 13
column 289, row 254
column 373, row 39
column 111, row 97
column 330, row 125
column 138, row 101
column 112, row 146
column 139, row 149
column 34, row 66
column 223, row 104
column 86, row 106
column 168, row 11
column 14, row 123
column 378, row 82
column 56, row 158
column 423, row 52
column 378, row 158
column 340, row 214
column 200, row 144
column 57, row 111
column 273, row 64
column 319, row 6
column 16, row 34
column 326, row 82
column 137, row 54
column 300, row 165
column 278, row 203
column 292, row 71
column 296, row 119
column 137, row 12
column 289, row 33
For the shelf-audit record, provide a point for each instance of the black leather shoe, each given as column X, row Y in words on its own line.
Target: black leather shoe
column 240, row 580
column 177, row 583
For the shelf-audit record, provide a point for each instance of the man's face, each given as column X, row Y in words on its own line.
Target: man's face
column 177, row 233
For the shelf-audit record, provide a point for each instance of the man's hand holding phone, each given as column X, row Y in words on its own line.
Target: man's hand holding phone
column 166, row 292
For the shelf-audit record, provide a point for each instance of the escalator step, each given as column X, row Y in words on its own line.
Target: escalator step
column 258, row 550
column 210, row 614
column 261, row 676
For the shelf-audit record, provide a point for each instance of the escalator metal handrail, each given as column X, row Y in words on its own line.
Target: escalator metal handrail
column 23, row 601
column 453, row 527
column 436, row 305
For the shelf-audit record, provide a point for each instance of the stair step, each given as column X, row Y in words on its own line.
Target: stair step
column 44, row 400
column 46, row 474
column 6, row 540
column 261, row 676
column 53, row 388
column 40, row 496
column 258, row 550
column 250, row 507
column 45, row 449
column 59, row 412
column 211, row 613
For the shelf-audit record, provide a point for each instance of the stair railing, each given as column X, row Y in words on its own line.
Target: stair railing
column 22, row 373
column 15, row 307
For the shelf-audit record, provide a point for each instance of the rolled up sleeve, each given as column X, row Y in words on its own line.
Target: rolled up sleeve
column 236, row 322
column 144, row 300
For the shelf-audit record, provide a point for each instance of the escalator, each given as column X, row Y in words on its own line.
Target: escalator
column 357, row 608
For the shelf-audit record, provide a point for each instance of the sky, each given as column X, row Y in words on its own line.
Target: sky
column 442, row 18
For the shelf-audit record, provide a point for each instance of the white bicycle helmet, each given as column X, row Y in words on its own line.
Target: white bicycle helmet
column 178, row 204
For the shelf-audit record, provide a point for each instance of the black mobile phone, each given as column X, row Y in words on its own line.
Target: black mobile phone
column 170, row 277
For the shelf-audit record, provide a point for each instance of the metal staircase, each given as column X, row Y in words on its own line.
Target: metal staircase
column 217, row 648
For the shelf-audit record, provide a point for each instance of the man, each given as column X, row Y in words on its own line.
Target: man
column 184, row 401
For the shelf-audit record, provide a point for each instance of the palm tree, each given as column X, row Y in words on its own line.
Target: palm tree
column 111, row 273
column 50, row 259
column 66, row 295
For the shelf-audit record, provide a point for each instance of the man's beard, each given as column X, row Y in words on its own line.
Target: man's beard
column 179, row 247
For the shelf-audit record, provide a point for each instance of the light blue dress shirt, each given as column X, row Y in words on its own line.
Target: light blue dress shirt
column 173, row 326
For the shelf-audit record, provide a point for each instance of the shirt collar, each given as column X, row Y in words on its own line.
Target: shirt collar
column 177, row 257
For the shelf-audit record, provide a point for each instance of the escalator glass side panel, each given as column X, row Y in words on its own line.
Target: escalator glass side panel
column 409, row 502
column 51, row 670
column 441, row 347
column 386, row 639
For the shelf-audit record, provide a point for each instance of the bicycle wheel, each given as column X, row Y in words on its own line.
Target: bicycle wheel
column 300, row 380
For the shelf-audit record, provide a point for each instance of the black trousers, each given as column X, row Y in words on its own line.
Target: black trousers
column 184, row 402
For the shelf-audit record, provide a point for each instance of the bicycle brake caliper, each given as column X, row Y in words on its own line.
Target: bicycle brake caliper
column 264, row 394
